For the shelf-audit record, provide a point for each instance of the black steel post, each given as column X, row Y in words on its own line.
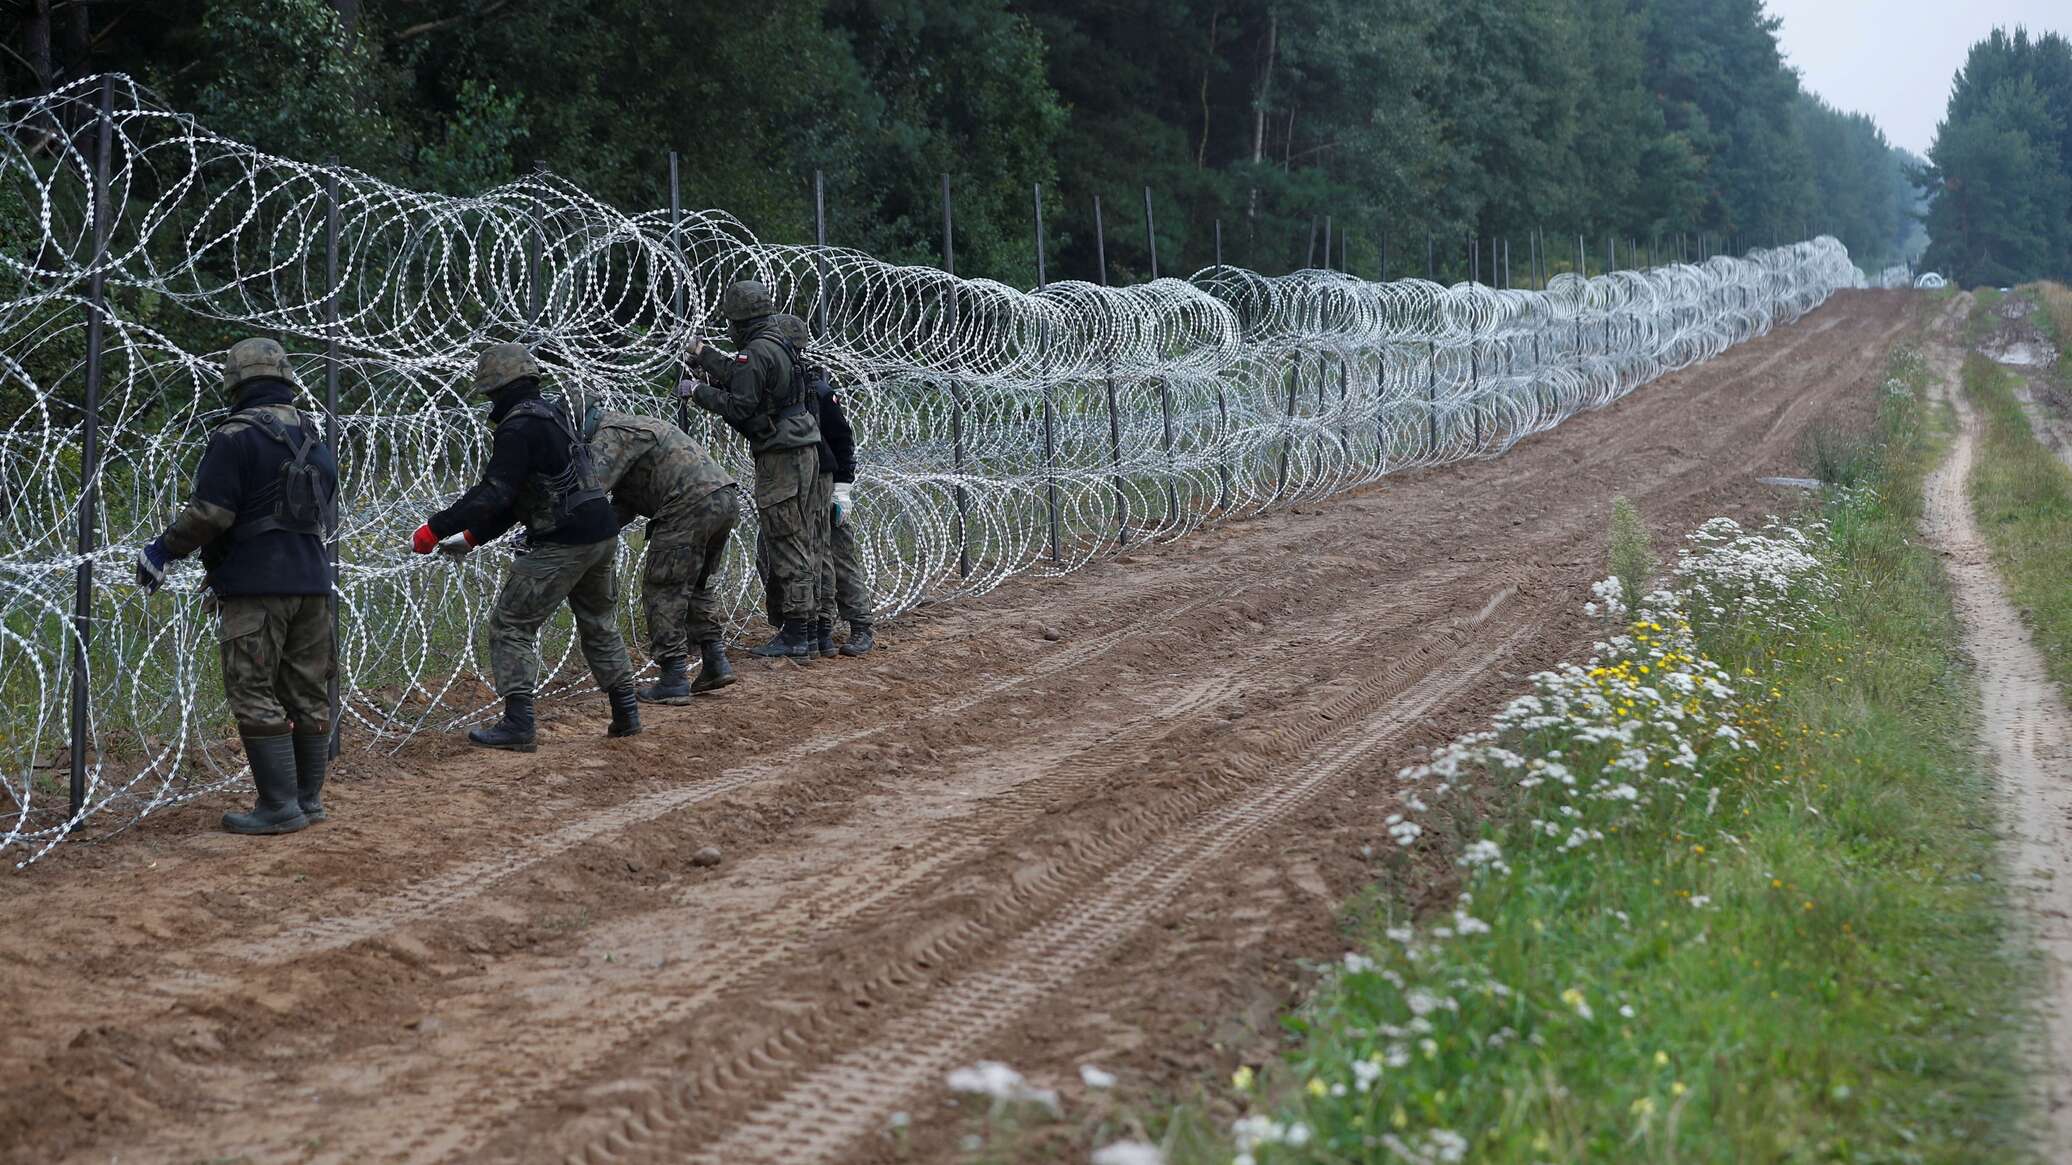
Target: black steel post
column 1327, row 242
column 331, row 373
column 1431, row 258
column 949, row 266
column 1100, row 245
column 1310, row 262
column 1384, row 276
column 1219, row 242
column 820, row 255
column 1050, row 438
column 1150, row 232
column 683, row 404
column 535, row 295
column 90, row 453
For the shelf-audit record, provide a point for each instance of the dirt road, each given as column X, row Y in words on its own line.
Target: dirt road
column 2026, row 726
column 1100, row 819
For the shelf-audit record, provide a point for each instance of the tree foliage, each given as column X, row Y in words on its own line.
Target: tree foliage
column 2000, row 171
column 1651, row 121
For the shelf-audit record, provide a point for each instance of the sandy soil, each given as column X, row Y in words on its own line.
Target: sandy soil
column 1108, row 818
column 2026, row 724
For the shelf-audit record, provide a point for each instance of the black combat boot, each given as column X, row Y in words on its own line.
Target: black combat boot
column 312, row 759
column 793, row 643
column 514, row 731
column 273, row 772
column 859, row 638
column 824, row 637
column 673, row 686
column 713, row 670
column 625, row 713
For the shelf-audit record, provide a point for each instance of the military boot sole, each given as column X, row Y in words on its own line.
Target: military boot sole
column 505, row 745
column 701, row 686
column 650, row 696
column 243, row 823
column 852, row 651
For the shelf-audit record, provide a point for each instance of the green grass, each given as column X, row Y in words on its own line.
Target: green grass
column 1817, row 966
column 2022, row 495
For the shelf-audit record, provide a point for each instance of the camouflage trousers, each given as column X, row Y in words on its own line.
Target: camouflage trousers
column 791, row 499
column 277, row 663
column 842, row 591
column 540, row 578
column 684, row 550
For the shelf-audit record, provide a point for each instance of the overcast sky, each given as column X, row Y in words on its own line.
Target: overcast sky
column 1893, row 59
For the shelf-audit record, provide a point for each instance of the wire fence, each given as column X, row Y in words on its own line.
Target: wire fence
column 1001, row 431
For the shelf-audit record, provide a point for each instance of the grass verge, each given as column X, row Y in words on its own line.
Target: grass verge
column 2022, row 495
column 1728, row 893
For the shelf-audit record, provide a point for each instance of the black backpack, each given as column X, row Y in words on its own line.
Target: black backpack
column 809, row 387
column 303, row 503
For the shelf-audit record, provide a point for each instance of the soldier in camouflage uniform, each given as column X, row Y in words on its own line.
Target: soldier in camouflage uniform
column 541, row 474
column 263, row 509
column 759, row 392
column 655, row 471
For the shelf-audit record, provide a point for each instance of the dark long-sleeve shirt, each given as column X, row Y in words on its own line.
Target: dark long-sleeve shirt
column 841, row 439
column 238, row 481
column 522, row 446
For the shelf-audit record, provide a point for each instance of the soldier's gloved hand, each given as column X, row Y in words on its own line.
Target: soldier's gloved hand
column 844, row 490
column 457, row 547
column 685, row 387
column 151, row 564
column 424, row 541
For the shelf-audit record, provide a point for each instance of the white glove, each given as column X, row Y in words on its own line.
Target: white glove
column 844, row 491
column 456, row 546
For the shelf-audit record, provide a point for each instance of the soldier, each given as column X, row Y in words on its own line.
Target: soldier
column 541, row 474
column 760, row 391
column 842, row 590
column 264, row 505
column 655, row 471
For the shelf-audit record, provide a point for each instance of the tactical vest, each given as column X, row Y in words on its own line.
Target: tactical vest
column 808, row 384
column 298, row 500
column 545, row 501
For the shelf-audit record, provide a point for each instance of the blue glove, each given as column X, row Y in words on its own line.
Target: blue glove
column 151, row 563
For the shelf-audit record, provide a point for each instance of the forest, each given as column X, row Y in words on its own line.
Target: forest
column 2001, row 167
column 1648, row 127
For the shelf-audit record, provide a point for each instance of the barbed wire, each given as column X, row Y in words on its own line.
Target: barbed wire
column 1000, row 431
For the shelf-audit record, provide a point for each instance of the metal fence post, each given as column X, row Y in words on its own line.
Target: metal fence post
column 1122, row 517
column 820, row 255
column 1327, row 242
column 535, row 295
column 1050, row 438
column 331, row 373
column 90, row 454
column 683, row 405
column 949, row 266
column 1150, row 233
column 1219, row 242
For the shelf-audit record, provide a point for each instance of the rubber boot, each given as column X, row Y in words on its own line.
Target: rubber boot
column 824, row 637
column 673, row 686
column 859, row 639
column 273, row 772
column 312, row 760
column 790, row 643
column 625, row 713
column 515, row 731
column 713, row 670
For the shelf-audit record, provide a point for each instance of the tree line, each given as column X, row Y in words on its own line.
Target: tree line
column 2000, row 170
column 1668, row 125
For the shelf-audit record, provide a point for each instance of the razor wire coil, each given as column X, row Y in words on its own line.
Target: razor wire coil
column 987, row 416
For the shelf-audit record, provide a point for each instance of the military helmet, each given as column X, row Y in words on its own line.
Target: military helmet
column 254, row 359
column 500, row 364
column 746, row 300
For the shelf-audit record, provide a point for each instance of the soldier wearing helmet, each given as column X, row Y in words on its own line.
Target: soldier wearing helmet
column 263, row 510
column 761, row 392
column 540, row 475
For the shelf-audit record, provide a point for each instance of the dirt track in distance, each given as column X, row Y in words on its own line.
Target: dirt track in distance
column 1122, row 846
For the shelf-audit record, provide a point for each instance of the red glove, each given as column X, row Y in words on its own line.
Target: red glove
column 424, row 541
